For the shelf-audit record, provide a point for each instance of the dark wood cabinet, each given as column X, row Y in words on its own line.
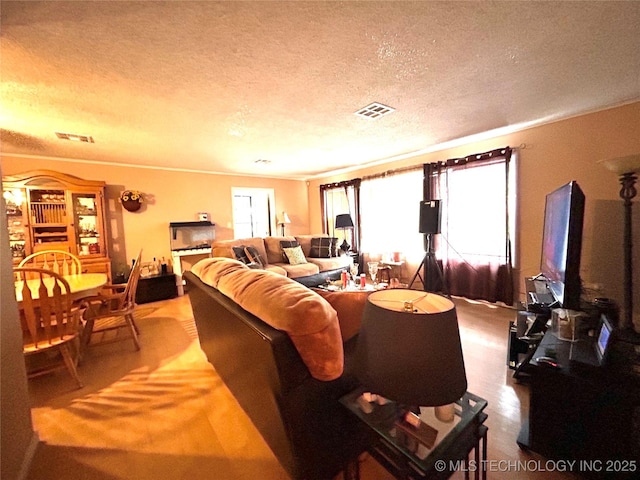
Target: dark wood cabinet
column 156, row 287
column 581, row 412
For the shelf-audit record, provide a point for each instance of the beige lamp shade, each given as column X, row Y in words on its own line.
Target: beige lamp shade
column 622, row 165
column 283, row 219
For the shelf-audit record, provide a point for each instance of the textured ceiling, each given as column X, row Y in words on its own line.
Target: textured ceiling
column 215, row 86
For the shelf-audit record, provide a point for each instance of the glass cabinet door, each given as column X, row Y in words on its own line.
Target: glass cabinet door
column 15, row 204
column 86, row 223
column 48, row 210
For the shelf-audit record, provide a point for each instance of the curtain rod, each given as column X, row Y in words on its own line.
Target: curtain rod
column 497, row 153
column 346, row 183
column 395, row 171
column 504, row 152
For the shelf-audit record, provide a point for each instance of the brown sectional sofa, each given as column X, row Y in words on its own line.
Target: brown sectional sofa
column 285, row 353
column 314, row 272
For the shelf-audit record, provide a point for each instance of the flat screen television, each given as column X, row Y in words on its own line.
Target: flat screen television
column 562, row 244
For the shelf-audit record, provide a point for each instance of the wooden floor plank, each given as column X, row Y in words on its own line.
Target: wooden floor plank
column 163, row 412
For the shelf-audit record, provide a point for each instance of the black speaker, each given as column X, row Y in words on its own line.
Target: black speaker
column 430, row 216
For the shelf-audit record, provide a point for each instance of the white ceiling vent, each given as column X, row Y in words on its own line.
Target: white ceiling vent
column 74, row 137
column 262, row 161
column 375, row 110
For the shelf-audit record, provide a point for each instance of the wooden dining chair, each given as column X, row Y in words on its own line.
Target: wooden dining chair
column 50, row 321
column 110, row 312
column 59, row 261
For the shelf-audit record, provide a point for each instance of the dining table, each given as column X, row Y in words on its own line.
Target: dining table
column 81, row 285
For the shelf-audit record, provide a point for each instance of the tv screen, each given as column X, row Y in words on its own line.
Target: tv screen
column 562, row 244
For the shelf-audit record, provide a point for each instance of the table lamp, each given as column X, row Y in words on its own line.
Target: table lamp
column 409, row 350
column 626, row 167
column 283, row 220
column 344, row 222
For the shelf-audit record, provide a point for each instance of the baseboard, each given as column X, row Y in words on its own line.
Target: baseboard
column 29, row 454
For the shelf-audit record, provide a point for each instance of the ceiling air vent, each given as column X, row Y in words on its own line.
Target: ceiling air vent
column 74, row 137
column 262, row 161
column 375, row 110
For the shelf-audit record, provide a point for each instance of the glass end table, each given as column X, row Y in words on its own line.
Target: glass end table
column 408, row 454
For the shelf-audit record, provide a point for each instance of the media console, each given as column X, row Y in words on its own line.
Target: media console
column 580, row 411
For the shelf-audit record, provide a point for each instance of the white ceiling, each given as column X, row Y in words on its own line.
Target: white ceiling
column 215, row 86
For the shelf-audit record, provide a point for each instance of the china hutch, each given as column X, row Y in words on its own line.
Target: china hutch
column 47, row 210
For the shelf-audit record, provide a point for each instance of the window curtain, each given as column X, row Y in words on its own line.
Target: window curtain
column 339, row 198
column 474, row 246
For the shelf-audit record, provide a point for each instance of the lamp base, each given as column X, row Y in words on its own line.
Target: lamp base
column 445, row 413
column 345, row 247
column 420, row 431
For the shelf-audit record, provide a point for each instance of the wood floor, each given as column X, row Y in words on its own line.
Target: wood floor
column 163, row 413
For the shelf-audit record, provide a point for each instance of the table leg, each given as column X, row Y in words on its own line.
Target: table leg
column 476, row 452
column 483, row 440
column 352, row 470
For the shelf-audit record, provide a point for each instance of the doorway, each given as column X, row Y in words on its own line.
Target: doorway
column 253, row 212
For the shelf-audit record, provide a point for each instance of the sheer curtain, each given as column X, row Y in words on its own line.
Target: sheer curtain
column 339, row 198
column 390, row 209
column 477, row 195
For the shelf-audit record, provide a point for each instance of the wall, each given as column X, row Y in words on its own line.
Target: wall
column 18, row 440
column 551, row 155
column 170, row 196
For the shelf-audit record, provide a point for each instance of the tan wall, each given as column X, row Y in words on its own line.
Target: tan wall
column 554, row 154
column 169, row 197
column 18, row 440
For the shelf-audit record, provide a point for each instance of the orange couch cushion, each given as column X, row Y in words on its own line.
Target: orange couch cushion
column 210, row 270
column 274, row 249
column 308, row 319
column 349, row 306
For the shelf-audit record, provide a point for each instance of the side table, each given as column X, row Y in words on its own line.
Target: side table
column 394, row 269
column 156, row 287
column 407, row 458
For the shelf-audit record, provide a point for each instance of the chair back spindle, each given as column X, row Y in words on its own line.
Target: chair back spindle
column 49, row 318
column 111, row 311
column 58, row 261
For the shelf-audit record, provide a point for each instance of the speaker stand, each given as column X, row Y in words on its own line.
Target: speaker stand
column 428, row 262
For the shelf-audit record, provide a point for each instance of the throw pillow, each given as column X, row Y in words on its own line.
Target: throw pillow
column 295, row 255
column 335, row 252
column 254, row 256
column 240, row 254
column 321, row 247
column 287, row 244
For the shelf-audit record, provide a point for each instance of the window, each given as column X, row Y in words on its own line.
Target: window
column 337, row 199
column 476, row 216
column 390, row 211
column 253, row 214
column 477, row 195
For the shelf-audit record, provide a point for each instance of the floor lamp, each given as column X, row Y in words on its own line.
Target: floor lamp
column 626, row 168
